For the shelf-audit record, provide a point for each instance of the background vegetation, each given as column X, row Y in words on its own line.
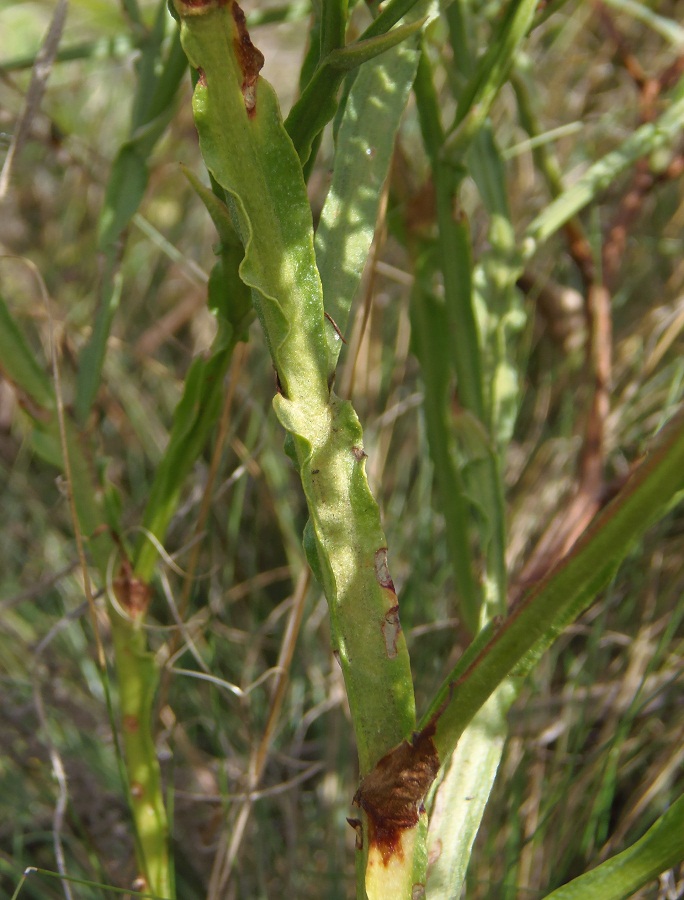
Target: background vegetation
column 595, row 747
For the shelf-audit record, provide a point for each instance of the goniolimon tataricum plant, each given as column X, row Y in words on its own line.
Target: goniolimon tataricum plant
column 302, row 286
column 426, row 770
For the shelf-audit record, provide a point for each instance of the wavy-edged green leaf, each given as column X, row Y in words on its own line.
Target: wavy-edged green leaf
column 249, row 153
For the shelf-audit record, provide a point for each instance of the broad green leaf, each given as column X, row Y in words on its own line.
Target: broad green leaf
column 430, row 340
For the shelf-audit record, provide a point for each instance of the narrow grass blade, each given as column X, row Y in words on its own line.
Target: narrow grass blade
column 198, row 410
column 478, row 95
column 514, row 645
column 318, row 104
column 647, row 139
column 430, row 334
column 19, row 365
column 158, row 79
column 619, row 877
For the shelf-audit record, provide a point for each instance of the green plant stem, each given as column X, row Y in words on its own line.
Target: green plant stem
column 249, row 153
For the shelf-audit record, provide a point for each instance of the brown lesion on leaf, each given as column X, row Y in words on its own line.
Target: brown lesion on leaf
column 356, row 824
column 132, row 594
column 359, row 453
column 391, row 626
column 382, row 573
column 249, row 58
column 392, row 794
column 391, row 629
column 197, row 7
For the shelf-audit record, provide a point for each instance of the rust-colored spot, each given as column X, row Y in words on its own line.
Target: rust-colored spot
column 249, row 58
column 131, row 724
column 382, row 573
column 359, row 453
column 392, row 794
column 198, row 7
column 391, row 628
column 132, row 594
column 137, row 790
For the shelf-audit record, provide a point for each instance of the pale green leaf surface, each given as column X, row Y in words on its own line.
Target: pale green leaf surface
column 363, row 153
column 461, row 796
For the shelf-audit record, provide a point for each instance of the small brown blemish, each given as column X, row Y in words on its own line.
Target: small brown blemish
column 382, row 573
column 391, row 629
column 137, row 790
column 201, row 78
column 358, row 828
column 435, row 852
column 359, row 453
column 250, row 60
column 132, row 594
column 130, row 724
column 392, row 793
column 197, row 7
